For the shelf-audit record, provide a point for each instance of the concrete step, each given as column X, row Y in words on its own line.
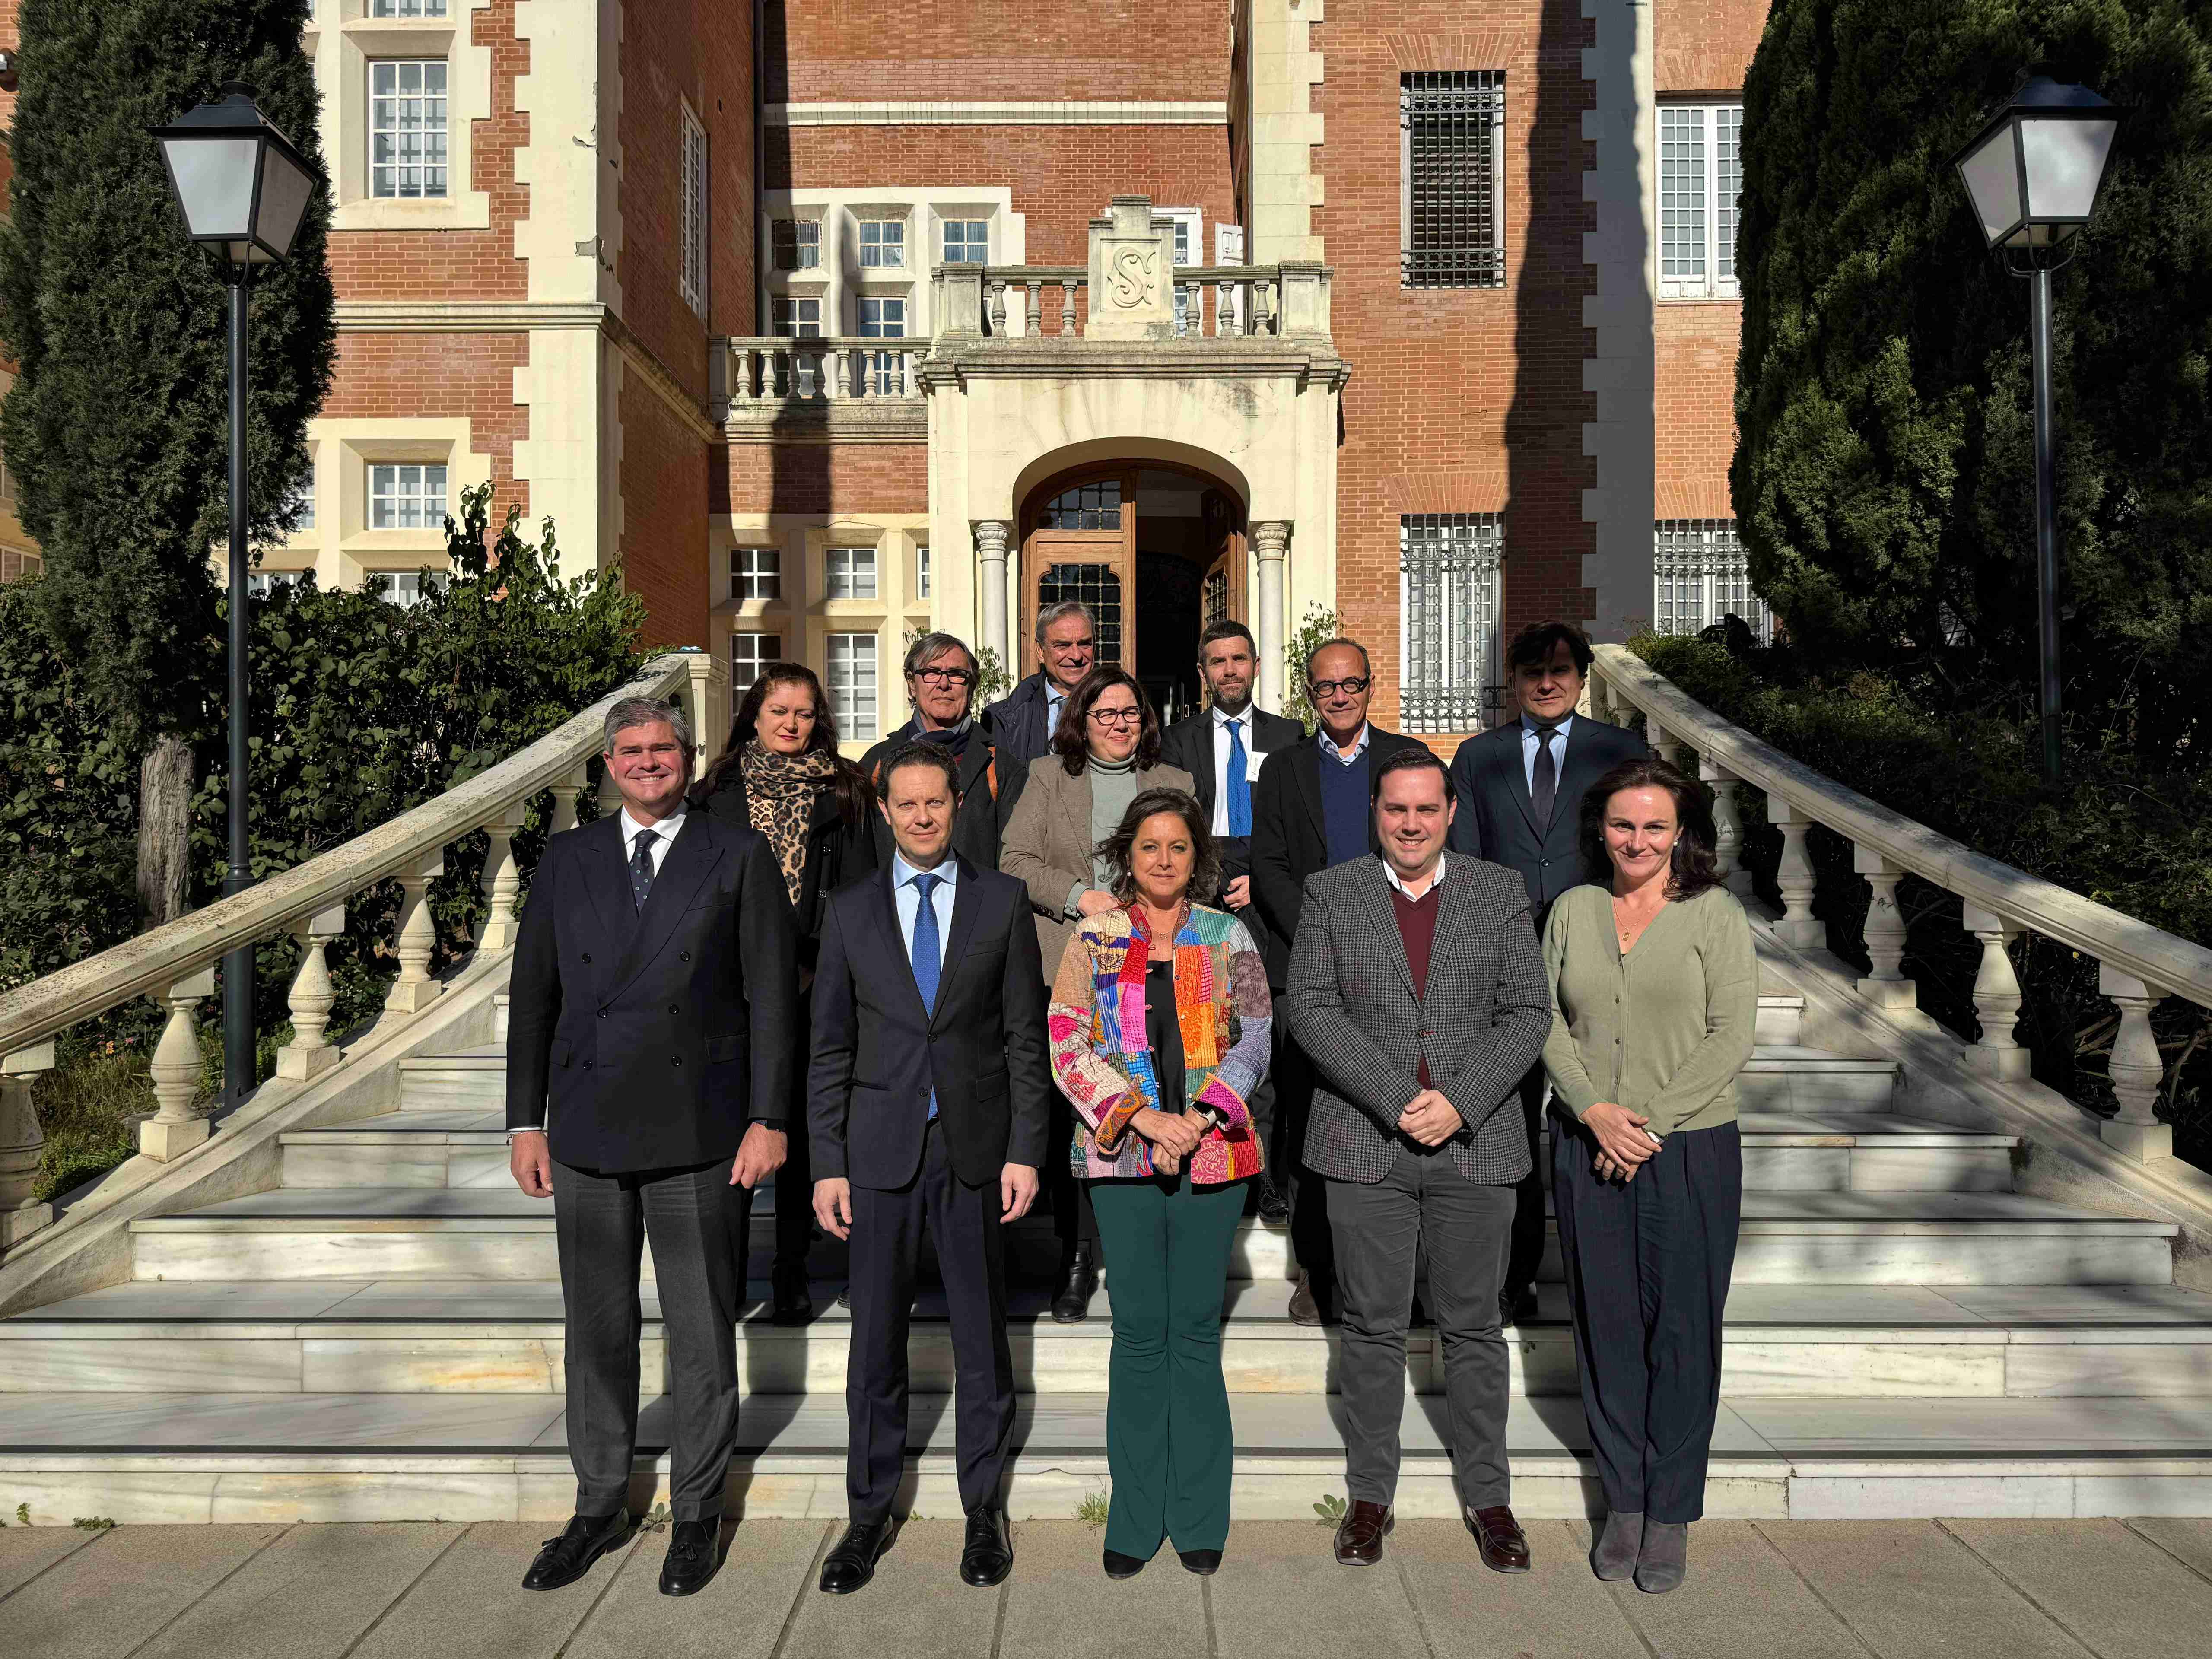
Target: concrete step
column 407, row 1336
column 187, row 1457
column 491, row 1233
column 1832, row 1151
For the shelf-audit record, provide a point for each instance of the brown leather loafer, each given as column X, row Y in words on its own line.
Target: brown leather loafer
column 1359, row 1535
column 1505, row 1546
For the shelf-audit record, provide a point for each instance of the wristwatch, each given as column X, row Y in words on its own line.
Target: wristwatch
column 1214, row 1116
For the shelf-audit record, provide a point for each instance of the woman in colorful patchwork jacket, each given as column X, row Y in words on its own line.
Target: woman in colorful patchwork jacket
column 1159, row 1035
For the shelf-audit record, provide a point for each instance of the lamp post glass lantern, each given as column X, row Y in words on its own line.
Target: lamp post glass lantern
column 243, row 187
column 2032, row 174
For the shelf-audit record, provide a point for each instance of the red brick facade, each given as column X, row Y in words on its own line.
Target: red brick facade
column 820, row 478
column 437, row 377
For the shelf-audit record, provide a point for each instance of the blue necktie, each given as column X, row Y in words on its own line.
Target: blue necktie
column 926, row 950
column 1240, row 785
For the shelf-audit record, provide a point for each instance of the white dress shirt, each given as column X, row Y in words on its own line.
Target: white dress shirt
column 664, row 832
column 908, row 898
column 1220, row 732
column 1528, row 749
column 1436, row 879
column 1344, row 756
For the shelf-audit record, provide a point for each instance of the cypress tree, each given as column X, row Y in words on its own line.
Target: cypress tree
column 1884, row 478
column 116, row 427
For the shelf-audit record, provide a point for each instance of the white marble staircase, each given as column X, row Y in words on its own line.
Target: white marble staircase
column 378, row 1336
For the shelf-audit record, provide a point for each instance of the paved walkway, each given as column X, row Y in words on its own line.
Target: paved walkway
column 2009, row 1590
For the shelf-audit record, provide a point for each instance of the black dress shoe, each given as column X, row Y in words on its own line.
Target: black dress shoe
column 1119, row 1565
column 1071, row 1303
column 694, row 1556
column 845, row 1296
column 1204, row 1562
column 988, row 1555
column 1305, row 1306
column 582, row 1542
column 1516, row 1307
column 1274, row 1207
column 789, row 1302
column 853, row 1563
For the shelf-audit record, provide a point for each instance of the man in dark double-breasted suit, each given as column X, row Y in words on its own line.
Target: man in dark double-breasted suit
column 648, row 1065
column 927, row 1096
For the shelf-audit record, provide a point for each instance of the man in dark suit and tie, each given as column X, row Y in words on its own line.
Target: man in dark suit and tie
column 927, row 1096
column 648, row 1060
column 1309, row 812
column 940, row 684
column 1222, row 747
column 1520, row 790
column 1021, row 724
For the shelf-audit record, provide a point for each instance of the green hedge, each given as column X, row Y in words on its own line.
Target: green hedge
column 2138, row 841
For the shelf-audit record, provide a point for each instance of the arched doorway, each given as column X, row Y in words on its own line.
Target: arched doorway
column 1157, row 551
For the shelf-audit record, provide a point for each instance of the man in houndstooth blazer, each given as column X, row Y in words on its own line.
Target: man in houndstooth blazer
column 1418, row 988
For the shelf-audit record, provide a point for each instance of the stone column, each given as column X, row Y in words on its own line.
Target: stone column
column 175, row 1067
column 1798, row 925
column 991, row 536
column 22, row 1144
column 1996, row 996
column 1271, row 541
column 310, row 1053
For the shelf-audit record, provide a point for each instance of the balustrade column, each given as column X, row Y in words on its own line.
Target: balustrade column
column 1067, row 305
column 1997, row 994
column 310, row 1053
column 1033, row 313
column 1271, row 541
column 2137, row 1070
column 991, row 536
column 502, row 881
column 564, row 800
column 174, row 1129
column 414, row 989
column 22, row 1144
column 1798, row 926
column 1664, row 744
column 998, row 308
column 1727, row 826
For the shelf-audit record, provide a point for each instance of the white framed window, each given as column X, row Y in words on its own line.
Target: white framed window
column 692, row 282
column 755, row 573
column 966, row 242
column 796, row 320
column 921, row 570
column 884, row 319
column 264, row 584
column 407, row 8
column 1448, row 606
column 1190, row 249
column 1452, row 179
column 751, row 653
column 851, row 684
column 406, row 495
column 407, row 128
column 796, row 244
column 405, row 588
column 851, row 572
column 1700, row 176
column 303, row 499
column 883, row 244
column 1699, row 574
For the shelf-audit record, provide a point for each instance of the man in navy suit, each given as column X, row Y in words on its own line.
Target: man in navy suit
column 1520, row 790
column 927, row 1096
column 648, row 1059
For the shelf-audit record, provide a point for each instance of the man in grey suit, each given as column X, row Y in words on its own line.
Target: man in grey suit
column 1419, row 993
column 1520, row 790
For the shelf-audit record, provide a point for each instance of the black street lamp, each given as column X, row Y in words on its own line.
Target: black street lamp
column 2034, row 174
column 244, row 186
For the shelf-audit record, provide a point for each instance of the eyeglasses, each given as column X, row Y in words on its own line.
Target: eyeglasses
column 944, row 677
column 1118, row 716
column 1330, row 688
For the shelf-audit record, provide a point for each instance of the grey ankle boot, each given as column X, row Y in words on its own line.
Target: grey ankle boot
column 1665, row 1556
column 1613, row 1556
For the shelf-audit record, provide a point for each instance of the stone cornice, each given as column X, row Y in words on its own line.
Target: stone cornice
column 953, row 362
column 858, row 421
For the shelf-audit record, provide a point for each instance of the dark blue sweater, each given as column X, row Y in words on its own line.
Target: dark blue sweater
column 1345, row 805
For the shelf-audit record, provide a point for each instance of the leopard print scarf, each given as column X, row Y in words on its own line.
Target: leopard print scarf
column 779, row 792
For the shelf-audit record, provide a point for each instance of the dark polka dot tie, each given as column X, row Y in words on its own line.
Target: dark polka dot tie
column 641, row 865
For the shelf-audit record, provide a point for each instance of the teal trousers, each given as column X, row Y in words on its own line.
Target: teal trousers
column 1170, row 1446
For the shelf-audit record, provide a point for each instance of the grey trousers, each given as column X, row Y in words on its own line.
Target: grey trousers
column 697, row 1222
column 1464, row 1227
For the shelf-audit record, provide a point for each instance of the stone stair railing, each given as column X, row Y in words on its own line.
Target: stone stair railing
column 174, row 965
column 2139, row 965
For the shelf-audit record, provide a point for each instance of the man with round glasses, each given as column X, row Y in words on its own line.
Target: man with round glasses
column 941, row 683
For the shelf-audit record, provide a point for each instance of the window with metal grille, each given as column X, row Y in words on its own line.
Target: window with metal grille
column 692, row 280
column 1214, row 599
column 883, row 243
column 1448, row 596
column 796, row 244
column 407, row 129
column 751, row 653
column 1700, row 575
column 884, row 319
column 755, row 573
column 1087, row 507
column 406, row 496
column 851, row 684
column 851, row 572
column 408, row 9
column 966, row 242
column 1099, row 586
column 1451, row 156
column 1700, row 176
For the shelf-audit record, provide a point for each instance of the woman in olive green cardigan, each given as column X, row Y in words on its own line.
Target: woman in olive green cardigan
column 1654, row 991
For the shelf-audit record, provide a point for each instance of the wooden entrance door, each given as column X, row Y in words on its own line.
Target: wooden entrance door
column 1081, row 544
column 1221, row 592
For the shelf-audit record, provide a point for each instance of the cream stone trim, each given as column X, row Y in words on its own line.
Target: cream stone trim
column 1061, row 112
column 840, row 283
column 1282, row 187
column 342, row 550
column 343, row 42
column 573, row 162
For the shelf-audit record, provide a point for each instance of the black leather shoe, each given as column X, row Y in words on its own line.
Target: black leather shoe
column 1071, row 1303
column 853, row 1563
column 789, row 1302
column 1305, row 1306
column 582, row 1542
column 845, row 1296
column 1274, row 1207
column 988, row 1555
column 694, row 1556
column 1119, row 1565
column 1204, row 1562
column 1516, row 1307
